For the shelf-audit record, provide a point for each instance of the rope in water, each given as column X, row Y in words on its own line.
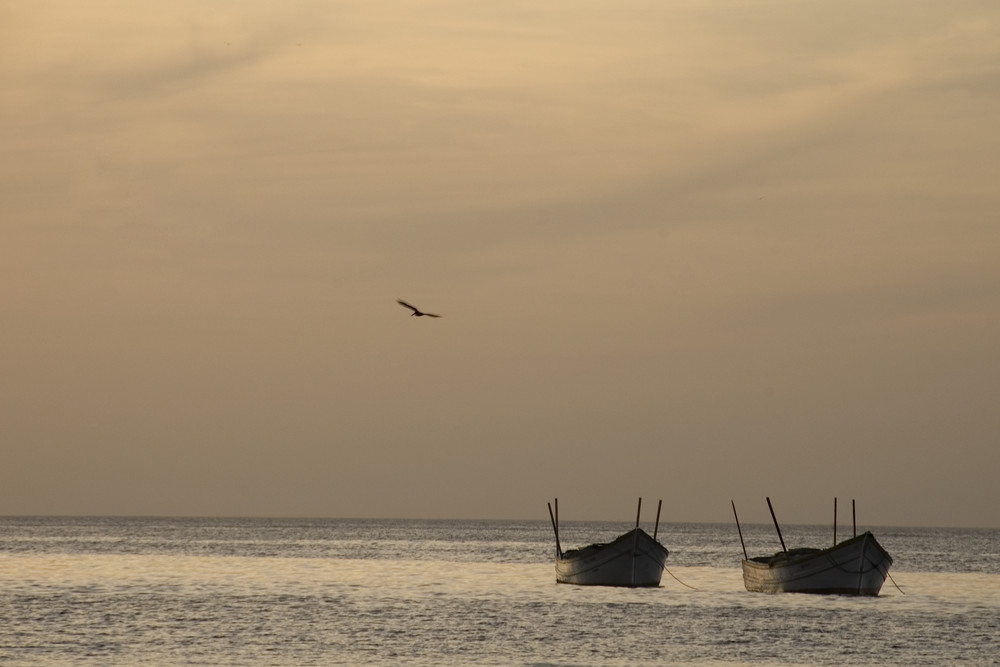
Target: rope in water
column 667, row 570
column 895, row 584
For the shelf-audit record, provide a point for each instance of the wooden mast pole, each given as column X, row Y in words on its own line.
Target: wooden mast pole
column 740, row 531
column 555, row 525
column 656, row 527
column 835, row 521
column 775, row 520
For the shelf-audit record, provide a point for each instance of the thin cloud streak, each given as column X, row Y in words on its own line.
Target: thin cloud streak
column 690, row 250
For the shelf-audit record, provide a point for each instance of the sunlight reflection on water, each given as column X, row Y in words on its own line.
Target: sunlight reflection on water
column 237, row 592
column 151, row 609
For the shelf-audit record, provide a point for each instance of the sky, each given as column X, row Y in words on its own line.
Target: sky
column 696, row 251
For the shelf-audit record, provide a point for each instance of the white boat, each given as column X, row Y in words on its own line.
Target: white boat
column 858, row 566
column 632, row 559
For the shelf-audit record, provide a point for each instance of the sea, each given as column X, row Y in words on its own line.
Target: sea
column 213, row 591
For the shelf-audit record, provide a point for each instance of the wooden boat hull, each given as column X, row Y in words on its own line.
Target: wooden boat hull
column 633, row 559
column 858, row 566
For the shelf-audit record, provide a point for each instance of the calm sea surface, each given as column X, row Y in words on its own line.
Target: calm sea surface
column 126, row 591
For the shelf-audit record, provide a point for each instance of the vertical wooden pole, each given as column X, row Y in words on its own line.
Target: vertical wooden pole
column 775, row 520
column 656, row 527
column 635, row 540
column 854, row 518
column 835, row 521
column 555, row 527
column 740, row 531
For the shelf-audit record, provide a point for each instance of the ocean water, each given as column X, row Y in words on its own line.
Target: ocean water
column 132, row 591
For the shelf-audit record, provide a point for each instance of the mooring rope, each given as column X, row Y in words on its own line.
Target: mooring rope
column 895, row 584
column 667, row 570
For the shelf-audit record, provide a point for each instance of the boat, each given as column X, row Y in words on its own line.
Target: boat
column 633, row 559
column 856, row 566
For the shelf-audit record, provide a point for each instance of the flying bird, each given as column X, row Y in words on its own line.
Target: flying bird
column 416, row 311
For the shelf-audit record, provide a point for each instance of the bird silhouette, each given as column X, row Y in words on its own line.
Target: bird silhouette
column 416, row 311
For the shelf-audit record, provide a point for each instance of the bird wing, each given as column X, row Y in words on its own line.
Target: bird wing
column 431, row 315
column 406, row 305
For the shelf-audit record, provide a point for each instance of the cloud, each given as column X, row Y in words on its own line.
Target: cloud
column 692, row 230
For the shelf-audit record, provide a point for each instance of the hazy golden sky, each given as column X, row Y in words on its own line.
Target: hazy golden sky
column 690, row 250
